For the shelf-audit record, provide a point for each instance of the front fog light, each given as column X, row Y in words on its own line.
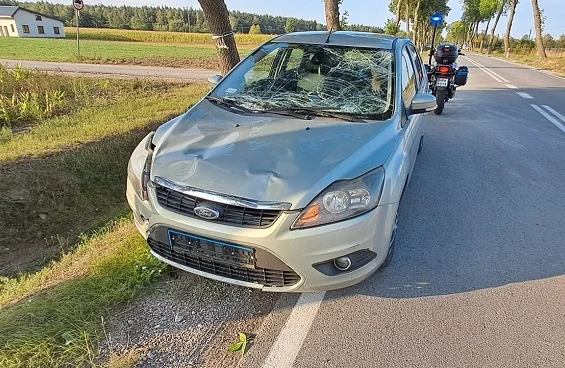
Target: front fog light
column 342, row 263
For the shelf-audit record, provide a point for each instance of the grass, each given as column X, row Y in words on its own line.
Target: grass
column 60, row 180
column 161, row 37
column 55, row 318
column 555, row 61
column 112, row 52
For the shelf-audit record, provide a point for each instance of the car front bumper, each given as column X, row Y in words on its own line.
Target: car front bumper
column 299, row 249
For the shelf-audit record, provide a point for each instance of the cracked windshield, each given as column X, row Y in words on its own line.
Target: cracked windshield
column 349, row 80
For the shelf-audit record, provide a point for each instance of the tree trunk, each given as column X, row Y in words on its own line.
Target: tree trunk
column 415, row 24
column 407, row 19
column 397, row 14
column 217, row 16
column 332, row 15
column 484, row 37
column 475, row 34
column 537, row 24
column 509, row 25
column 491, row 40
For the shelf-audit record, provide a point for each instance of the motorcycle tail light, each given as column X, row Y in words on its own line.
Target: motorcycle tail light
column 444, row 69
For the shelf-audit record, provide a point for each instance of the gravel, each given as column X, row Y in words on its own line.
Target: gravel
column 186, row 321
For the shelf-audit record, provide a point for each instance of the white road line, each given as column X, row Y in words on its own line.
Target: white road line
column 554, row 112
column 288, row 343
column 498, row 75
column 549, row 117
column 511, row 86
column 524, row 95
column 484, row 70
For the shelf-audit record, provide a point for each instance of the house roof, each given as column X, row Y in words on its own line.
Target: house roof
column 9, row 11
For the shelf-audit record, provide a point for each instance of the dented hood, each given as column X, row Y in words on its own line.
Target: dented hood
column 265, row 157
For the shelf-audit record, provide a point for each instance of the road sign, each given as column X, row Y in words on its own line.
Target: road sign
column 78, row 4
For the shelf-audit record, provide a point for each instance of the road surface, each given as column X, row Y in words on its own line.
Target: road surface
column 478, row 277
column 100, row 70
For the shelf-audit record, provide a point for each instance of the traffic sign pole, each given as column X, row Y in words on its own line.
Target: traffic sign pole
column 78, row 5
column 78, row 38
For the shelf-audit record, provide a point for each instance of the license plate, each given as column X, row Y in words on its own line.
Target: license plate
column 196, row 246
column 442, row 82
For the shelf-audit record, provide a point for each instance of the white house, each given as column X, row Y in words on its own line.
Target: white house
column 16, row 21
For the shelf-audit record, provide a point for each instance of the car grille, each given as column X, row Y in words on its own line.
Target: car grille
column 263, row 276
column 233, row 215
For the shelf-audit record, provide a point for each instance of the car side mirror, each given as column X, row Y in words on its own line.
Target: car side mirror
column 422, row 103
column 213, row 80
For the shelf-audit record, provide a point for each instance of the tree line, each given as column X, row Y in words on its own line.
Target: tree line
column 489, row 12
column 165, row 18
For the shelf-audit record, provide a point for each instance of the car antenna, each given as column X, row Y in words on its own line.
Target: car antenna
column 329, row 34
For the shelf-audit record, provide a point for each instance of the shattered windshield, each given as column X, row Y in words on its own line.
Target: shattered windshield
column 345, row 80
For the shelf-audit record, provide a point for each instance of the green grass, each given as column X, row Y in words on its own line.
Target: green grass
column 109, row 52
column 63, row 185
column 55, row 317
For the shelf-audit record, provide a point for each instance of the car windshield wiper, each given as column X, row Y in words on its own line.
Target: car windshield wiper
column 233, row 104
column 228, row 103
column 323, row 111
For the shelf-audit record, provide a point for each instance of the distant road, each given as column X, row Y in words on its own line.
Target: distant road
column 121, row 71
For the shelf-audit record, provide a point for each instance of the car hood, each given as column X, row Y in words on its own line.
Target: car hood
column 266, row 157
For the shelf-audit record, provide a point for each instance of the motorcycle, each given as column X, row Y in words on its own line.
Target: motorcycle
column 445, row 76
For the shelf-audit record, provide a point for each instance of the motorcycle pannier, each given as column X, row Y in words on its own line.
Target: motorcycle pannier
column 461, row 76
column 446, row 54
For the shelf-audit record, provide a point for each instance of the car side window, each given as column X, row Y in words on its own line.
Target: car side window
column 417, row 62
column 408, row 79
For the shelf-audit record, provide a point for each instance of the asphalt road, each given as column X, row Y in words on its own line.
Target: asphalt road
column 100, row 70
column 478, row 277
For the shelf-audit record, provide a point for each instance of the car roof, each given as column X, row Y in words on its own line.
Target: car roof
column 340, row 38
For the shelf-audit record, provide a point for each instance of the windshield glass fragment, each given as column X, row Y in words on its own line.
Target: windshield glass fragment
column 346, row 80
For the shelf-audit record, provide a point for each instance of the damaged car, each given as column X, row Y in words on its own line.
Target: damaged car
column 287, row 175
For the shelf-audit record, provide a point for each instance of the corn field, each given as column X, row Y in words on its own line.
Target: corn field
column 161, row 37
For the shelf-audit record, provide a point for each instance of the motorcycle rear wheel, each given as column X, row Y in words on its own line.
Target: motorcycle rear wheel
column 440, row 101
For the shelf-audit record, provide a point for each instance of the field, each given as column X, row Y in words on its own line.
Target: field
column 69, row 252
column 161, row 37
column 112, row 52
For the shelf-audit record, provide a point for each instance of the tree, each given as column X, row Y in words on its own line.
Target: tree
column 217, row 17
column 332, row 15
column 457, row 32
column 391, row 28
column 290, row 25
column 255, row 29
column 502, row 9
column 487, row 9
column 538, row 25
column 513, row 4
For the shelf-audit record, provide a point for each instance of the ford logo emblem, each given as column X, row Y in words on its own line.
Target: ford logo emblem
column 205, row 212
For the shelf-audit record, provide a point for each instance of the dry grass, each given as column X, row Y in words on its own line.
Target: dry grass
column 160, row 37
column 554, row 63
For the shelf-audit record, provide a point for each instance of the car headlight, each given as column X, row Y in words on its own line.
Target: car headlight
column 343, row 200
column 139, row 165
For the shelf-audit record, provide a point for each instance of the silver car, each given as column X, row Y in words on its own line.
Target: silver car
column 287, row 176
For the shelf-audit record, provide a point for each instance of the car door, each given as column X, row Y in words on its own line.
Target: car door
column 411, row 124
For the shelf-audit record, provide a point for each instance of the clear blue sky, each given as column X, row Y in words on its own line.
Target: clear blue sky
column 371, row 12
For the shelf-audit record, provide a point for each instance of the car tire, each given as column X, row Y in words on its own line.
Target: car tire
column 390, row 252
column 440, row 101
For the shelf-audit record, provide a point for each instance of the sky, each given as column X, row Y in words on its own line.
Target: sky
column 370, row 12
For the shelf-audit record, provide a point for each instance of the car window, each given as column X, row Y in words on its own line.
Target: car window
column 417, row 61
column 295, row 59
column 343, row 79
column 408, row 79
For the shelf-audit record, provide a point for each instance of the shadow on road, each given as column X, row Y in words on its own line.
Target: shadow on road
column 485, row 205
